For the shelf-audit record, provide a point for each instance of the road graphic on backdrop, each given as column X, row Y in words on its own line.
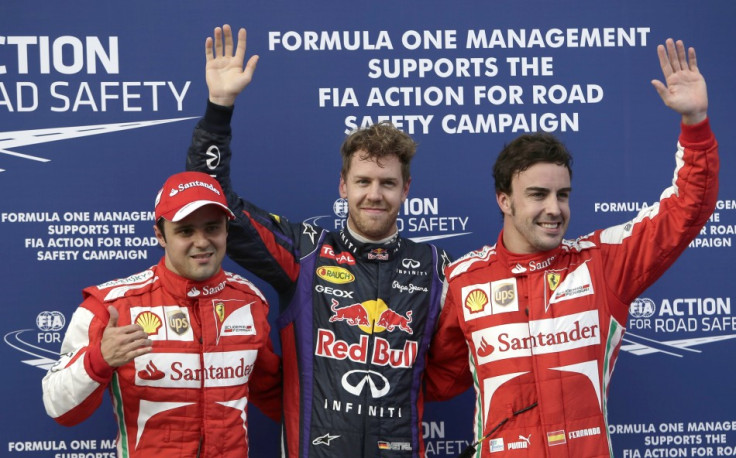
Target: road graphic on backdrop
column 9, row 141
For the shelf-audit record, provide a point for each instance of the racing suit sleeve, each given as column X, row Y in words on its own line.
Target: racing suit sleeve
column 74, row 386
column 448, row 367
column 262, row 243
column 265, row 385
column 639, row 251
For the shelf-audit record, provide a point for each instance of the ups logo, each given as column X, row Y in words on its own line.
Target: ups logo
column 179, row 323
column 504, row 294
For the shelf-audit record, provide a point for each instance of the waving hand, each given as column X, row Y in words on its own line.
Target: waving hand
column 684, row 88
column 224, row 71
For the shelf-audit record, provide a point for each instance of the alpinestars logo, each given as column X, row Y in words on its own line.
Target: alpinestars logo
column 324, row 440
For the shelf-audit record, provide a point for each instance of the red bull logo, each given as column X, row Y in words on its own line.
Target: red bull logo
column 353, row 314
column 371, row 316
column 392, row 320
column 328, row 346
column 380, row 254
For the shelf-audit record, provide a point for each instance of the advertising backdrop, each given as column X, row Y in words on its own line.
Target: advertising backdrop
column 98, row 101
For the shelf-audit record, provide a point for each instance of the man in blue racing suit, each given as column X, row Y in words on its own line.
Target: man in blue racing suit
column 358, row 308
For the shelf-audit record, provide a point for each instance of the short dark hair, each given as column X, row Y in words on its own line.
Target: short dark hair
column 525, row 151
column 160, row 226
column 378, row 141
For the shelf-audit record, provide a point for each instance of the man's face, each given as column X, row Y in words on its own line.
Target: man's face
column 195, row 246
column 537, row 212
column 375, row 194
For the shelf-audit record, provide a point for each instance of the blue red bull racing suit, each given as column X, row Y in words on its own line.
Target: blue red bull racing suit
column 356, row 320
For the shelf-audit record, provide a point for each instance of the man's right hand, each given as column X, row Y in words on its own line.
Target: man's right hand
column 224, row 71
column 121, row 345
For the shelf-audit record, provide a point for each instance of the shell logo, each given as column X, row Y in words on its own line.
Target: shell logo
column 149, row 321
column 476, row 301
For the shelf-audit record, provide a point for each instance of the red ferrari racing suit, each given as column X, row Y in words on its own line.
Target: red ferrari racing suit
column 544, row 330
column 189, row 396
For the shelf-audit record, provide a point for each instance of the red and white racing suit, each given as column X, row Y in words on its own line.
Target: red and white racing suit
column 188, row 397
column 544, row 330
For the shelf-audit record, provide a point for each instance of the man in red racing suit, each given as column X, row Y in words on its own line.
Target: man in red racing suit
column 544, row 317
column 182, row 347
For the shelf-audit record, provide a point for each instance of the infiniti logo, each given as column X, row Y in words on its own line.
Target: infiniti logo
column 409, row 263
column 369, row 377
column 213, row 157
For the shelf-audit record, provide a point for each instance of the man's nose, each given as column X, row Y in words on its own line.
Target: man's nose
column 374, row 191
column 552, row 206
column 200, row 238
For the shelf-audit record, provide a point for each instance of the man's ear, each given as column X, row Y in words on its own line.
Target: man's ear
column 343, row 188
column 504, row 202
column 405, row 191
column 159, row 236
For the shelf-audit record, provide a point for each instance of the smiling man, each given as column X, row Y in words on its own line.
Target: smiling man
column 358, row 307
column 183, row 347
column 542, row 316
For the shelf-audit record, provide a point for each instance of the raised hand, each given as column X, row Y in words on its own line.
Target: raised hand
column 684, row 88
column 121, row 345
column 224, row 71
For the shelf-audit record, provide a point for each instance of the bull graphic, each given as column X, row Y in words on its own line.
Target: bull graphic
column 353, row 314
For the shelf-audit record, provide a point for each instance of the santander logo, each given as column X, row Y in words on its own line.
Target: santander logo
column 552, row 335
